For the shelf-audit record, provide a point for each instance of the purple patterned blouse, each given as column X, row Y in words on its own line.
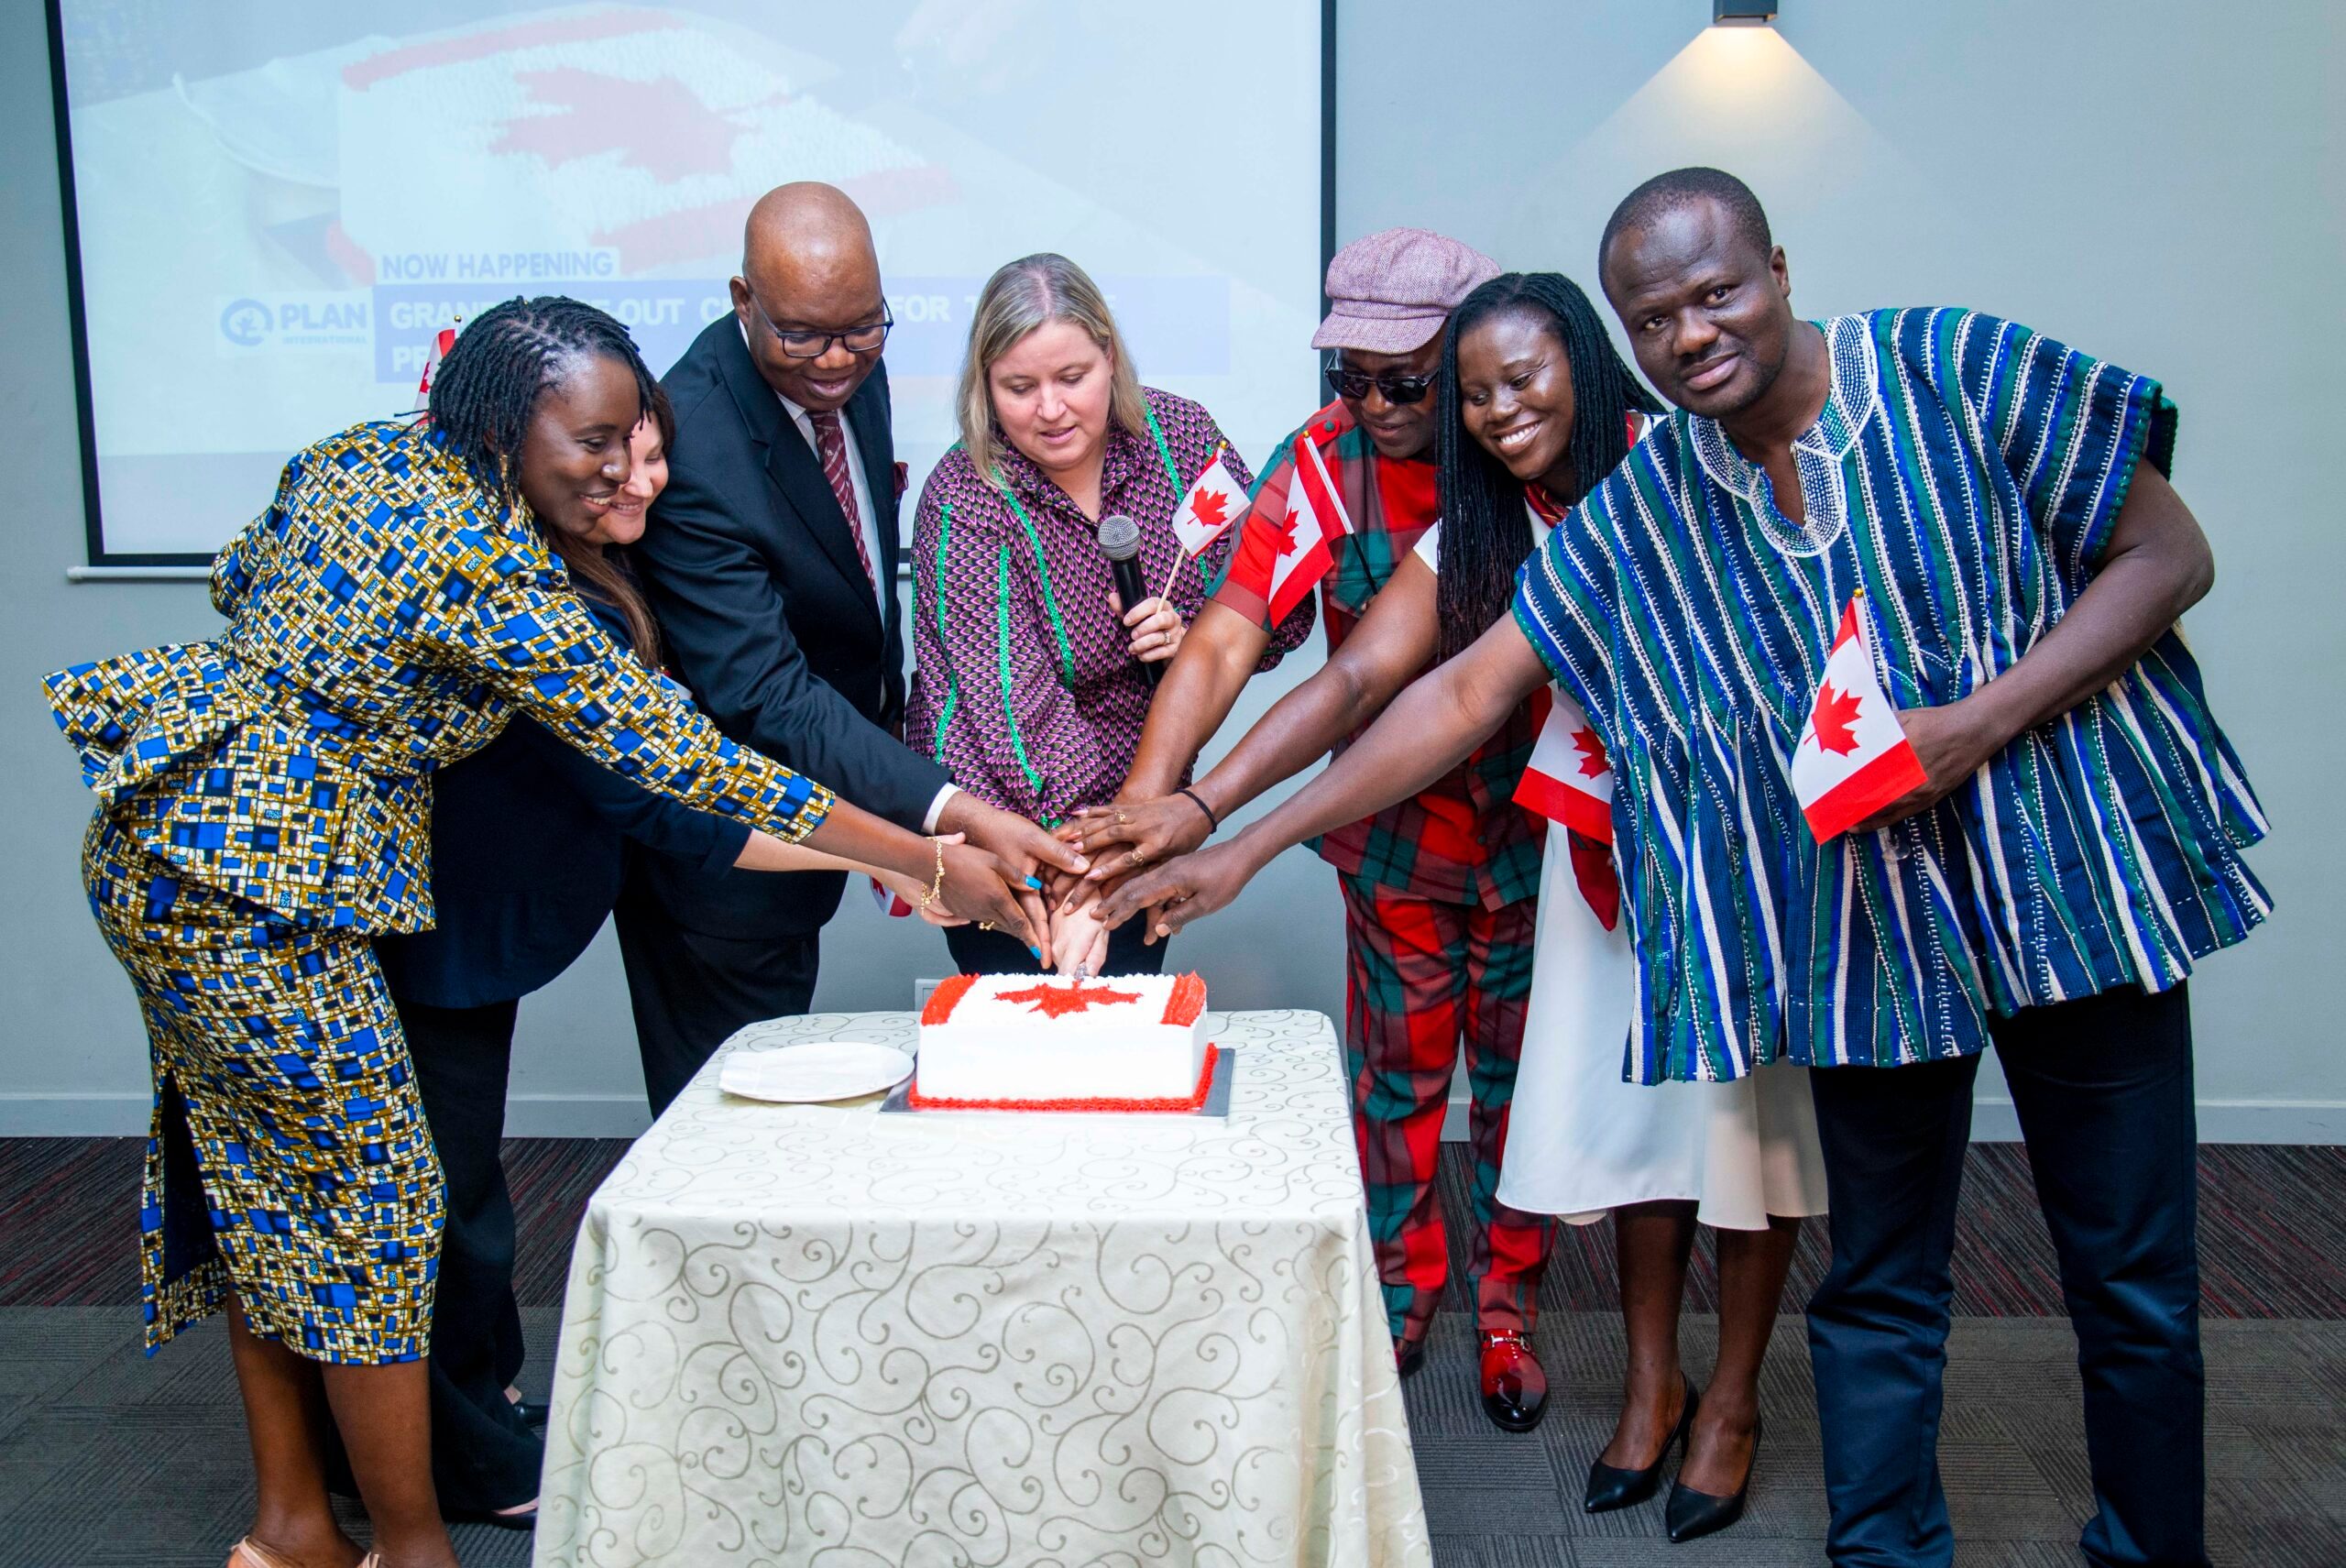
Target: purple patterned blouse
column 1022, row 683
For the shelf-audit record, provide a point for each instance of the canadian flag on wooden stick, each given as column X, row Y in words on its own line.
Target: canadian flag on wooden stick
column 1314, row 519
column 1853, row 758
column 1214, row 502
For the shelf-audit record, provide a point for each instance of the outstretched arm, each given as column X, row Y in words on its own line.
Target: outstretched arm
column 1393, row 641
column 1427, row 731
column 1219, row 654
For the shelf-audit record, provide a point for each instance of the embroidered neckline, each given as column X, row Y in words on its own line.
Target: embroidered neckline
column 1818, row 451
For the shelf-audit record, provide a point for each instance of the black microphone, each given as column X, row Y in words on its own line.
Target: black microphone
column 1120, row 542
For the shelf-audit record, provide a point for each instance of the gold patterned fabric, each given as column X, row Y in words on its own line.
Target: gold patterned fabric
column 264, row 808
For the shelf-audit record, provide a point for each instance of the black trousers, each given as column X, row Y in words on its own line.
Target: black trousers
column 689, row 990
column 483, row 1457
column 2103, row 1088
column 997, row 952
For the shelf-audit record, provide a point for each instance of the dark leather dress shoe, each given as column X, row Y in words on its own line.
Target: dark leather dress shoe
column 1515, row 1386
column 533, row 1415
column 1409, row 1357
column 1610, row 1486
column 1692, row 1515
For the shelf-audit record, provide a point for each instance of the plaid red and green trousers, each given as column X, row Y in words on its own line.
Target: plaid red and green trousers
column 1422, row 977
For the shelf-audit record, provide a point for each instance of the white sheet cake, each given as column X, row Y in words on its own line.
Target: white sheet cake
column 1028, row 1038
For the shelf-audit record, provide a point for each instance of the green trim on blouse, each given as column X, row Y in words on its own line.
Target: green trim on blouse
column 952, row 676
column 1050, row 599
column 1002, row 649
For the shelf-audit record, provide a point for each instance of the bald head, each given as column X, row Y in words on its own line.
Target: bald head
column 808, row 266
column 807, row 218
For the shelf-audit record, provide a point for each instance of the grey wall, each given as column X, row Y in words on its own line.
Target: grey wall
column 2153, row 180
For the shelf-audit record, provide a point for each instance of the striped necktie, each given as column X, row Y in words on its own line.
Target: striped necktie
column 831, row 442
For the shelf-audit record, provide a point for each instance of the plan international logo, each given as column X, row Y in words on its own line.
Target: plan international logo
column 250, row 324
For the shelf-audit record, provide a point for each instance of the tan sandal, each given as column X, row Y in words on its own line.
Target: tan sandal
column 251, row 1553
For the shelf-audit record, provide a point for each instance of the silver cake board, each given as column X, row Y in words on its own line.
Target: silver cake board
column 1217, row 1103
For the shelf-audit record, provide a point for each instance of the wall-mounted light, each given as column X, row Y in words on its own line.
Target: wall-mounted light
column 1742, row 13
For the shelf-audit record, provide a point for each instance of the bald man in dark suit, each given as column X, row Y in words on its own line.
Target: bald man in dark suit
column 771, row 565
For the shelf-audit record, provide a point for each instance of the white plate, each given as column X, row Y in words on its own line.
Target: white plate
column 818, row 1071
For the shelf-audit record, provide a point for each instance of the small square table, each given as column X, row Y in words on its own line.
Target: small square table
column 802, row 1333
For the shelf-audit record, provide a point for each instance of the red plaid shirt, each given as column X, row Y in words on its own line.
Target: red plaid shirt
column 1462, row 839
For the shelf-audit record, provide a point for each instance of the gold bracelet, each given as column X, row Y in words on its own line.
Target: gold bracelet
column 936, row 884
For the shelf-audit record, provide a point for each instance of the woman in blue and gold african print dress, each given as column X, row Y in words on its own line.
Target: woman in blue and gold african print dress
column 264, row 805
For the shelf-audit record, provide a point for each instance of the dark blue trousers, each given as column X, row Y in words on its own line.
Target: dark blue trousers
column 2103, row 1088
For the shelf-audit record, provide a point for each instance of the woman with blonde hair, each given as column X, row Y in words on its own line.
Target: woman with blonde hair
column 1031, row 679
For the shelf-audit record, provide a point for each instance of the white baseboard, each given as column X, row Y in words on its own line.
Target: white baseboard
column 2221, row 1121
column 625, row 1115
column 73, row 1115
column 577, row 1115
column 124, row 1115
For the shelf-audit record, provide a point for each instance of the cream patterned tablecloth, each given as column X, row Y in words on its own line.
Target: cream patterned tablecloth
column 823, row 1335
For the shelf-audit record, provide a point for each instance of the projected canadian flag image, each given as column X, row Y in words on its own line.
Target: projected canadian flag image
column 345, row 186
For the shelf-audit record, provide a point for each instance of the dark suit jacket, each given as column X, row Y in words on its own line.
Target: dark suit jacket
column 526, row 839
column 768, row 618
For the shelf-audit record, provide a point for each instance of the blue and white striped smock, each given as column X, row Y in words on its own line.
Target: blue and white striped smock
column 1967, row 473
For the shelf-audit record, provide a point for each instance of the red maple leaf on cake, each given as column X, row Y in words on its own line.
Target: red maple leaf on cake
column 1593, row 761
column 1836, row 720
column 1060, row 1001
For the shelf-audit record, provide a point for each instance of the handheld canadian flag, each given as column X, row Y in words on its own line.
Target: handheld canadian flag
column 1214, row 502
column 891, row 903
column 442, row 341
column 1569, row 780
column 1853, row 758
column 1314, row 519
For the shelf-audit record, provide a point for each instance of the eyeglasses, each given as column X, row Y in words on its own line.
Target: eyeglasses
column 1355, row 384
column 797, row 344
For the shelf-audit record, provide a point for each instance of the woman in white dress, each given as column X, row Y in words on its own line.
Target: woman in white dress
column 1582, row 1142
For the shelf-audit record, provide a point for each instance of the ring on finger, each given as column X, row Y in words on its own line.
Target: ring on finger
column 985, row 924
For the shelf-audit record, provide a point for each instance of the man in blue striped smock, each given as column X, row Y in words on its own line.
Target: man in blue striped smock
column 2001, row 501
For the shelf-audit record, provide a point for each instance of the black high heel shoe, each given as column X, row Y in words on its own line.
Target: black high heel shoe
column 1691, row 1514
column 1610, row 1486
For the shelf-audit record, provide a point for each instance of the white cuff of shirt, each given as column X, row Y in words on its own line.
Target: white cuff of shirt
column 936, row 807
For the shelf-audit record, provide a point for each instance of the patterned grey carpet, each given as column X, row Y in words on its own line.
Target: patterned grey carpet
column 109, row 1458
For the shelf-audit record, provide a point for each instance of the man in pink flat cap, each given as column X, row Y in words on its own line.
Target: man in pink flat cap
column 1438, row 890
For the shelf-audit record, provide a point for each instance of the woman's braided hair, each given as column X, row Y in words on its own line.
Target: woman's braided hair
column 504, row 356
column 1486, row 532
column 481, row 402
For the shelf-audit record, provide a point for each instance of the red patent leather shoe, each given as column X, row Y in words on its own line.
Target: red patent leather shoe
column 1515, row 1386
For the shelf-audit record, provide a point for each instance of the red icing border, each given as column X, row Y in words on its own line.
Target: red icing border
column 1188, row 1000
column 914, row 1100
column 945, row 997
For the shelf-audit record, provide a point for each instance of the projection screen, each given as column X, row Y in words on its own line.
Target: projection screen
column 276, row 205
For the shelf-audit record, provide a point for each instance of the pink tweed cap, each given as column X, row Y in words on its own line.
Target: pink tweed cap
column 1391, row 291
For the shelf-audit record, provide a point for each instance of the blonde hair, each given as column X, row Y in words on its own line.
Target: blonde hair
column 1023, row 295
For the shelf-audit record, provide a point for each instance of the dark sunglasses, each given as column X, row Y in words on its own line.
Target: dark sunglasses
column 1355, row 384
